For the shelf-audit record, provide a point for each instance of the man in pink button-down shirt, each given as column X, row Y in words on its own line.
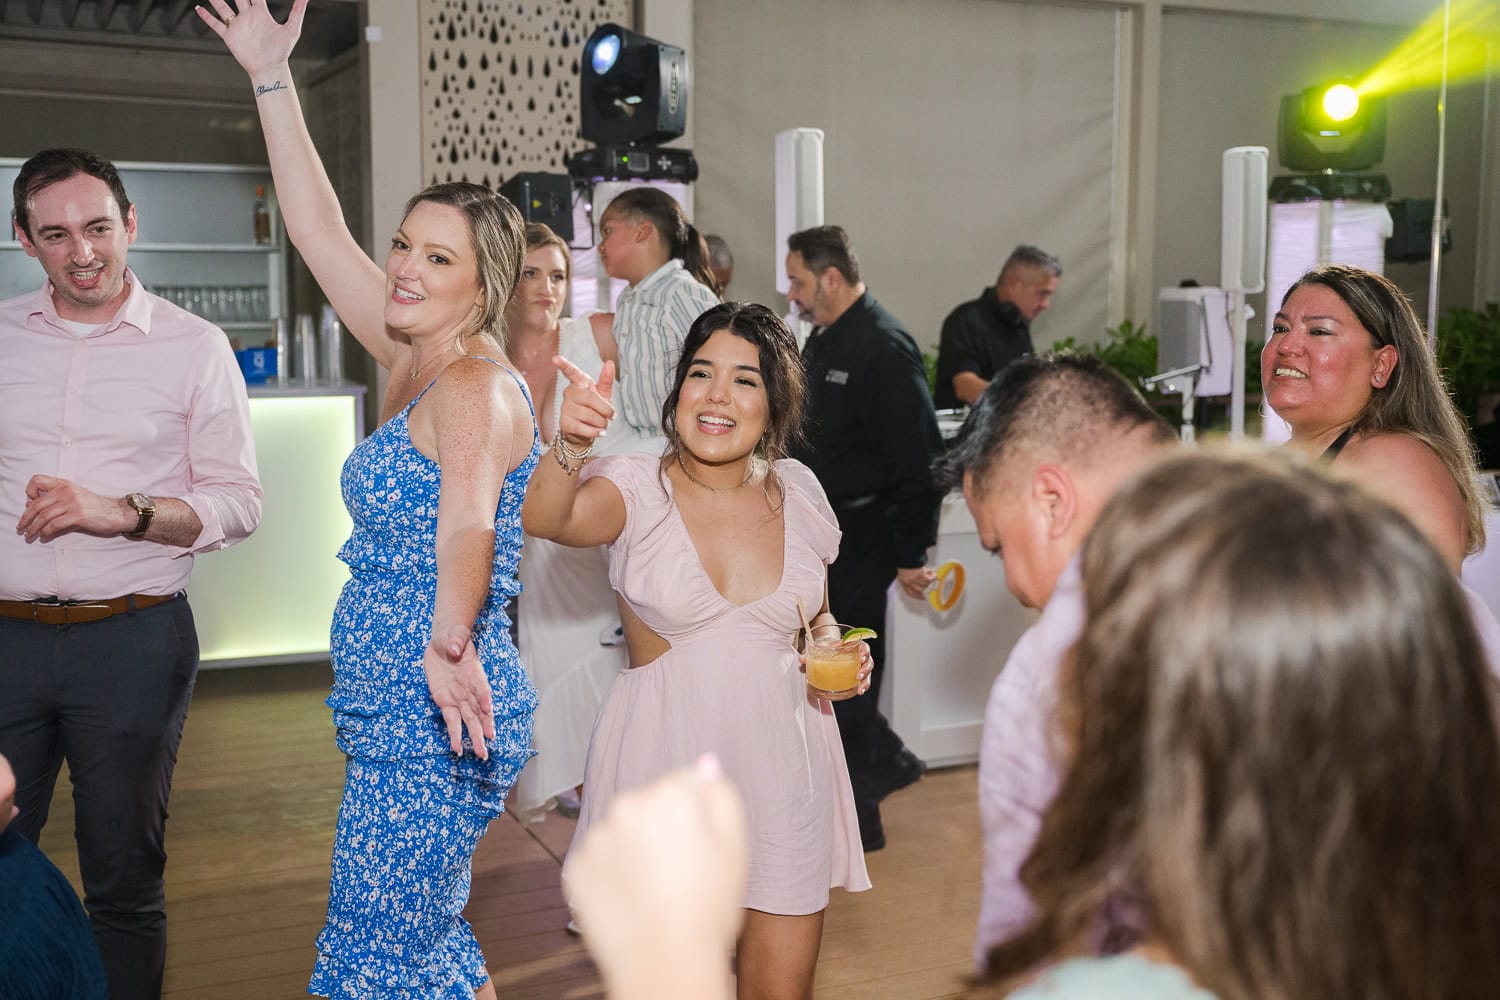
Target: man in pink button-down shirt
column 125, row 449
column 1044, row 449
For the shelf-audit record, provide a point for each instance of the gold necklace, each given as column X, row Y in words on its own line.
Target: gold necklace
column 749, row 470
column 415, row 371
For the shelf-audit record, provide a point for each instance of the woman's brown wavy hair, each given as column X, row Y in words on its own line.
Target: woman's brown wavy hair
column 1284, row 745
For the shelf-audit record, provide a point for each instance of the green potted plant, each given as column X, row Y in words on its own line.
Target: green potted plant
column 1468, row 352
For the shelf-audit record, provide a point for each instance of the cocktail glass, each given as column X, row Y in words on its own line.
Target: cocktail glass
column 832, row 663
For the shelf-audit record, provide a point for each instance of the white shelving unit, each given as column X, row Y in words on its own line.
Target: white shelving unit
column 195, row 228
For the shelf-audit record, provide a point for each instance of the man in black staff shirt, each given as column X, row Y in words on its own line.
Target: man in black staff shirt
column 870, row 437
column 983, row 336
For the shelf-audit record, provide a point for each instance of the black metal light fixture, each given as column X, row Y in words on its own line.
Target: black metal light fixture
column 1331, row 127
column 633, row 90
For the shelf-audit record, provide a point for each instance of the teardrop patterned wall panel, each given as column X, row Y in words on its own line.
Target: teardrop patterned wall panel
column 500, row 84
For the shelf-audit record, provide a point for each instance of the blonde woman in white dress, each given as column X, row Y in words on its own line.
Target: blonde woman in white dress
column 566, row 599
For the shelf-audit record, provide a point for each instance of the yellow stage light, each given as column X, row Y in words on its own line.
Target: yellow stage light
column 1328, row 127
column 1340, row 102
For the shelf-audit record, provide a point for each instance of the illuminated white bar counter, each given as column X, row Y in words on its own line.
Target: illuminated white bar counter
column 940, row 665
column 270, row 598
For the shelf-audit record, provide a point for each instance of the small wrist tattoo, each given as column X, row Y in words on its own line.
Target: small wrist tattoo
column 269, row 88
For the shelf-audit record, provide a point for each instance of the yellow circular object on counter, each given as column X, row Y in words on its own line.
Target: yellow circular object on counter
column 941, row 597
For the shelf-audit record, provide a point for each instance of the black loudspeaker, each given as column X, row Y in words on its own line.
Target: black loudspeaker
column 1411, row 232
column 544, row 198
column 631, row 88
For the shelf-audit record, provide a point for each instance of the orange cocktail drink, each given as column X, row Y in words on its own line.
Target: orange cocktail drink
column 833, row 663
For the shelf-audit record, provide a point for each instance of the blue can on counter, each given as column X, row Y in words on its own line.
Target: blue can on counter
column 257, row 363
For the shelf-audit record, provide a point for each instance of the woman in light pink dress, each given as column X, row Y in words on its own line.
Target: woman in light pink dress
column 711, row 548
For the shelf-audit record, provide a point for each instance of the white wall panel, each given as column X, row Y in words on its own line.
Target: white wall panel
column 955, row 130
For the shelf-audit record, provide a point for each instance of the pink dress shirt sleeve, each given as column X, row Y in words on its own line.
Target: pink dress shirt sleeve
column 1019, row 770
column 224, row 489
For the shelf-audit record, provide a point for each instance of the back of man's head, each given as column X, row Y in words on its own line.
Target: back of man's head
column 719, row 254
column 52, row 166
column 1064, row 409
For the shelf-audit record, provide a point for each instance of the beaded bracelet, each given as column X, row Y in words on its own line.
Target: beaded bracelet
column 564, row 454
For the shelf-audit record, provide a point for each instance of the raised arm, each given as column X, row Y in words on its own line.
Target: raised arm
column 354, row 284
column 556, row 507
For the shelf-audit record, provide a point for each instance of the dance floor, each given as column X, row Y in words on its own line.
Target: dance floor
column 253, row 807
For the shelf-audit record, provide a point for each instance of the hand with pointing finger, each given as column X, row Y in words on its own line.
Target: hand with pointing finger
column 586, row 409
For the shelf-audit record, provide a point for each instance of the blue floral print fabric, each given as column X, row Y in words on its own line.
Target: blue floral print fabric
column 412, row 812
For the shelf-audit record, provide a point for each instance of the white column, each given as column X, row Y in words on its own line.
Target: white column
column 393, row 91
column 393, row 87
column 1145, row 114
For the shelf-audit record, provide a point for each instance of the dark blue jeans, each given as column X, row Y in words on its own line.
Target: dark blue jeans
column 110, row 697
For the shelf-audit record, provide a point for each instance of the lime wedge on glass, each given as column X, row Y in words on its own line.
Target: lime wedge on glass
column 855, row 634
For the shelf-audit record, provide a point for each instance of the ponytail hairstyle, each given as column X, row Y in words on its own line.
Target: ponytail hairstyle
column 679, row 238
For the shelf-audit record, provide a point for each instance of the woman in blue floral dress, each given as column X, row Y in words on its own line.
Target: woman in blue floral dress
column 432, row 707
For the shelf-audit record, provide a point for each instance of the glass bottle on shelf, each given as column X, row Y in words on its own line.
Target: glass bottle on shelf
column 262, row 217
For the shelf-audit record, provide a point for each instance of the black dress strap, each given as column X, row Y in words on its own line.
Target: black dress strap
column 1332, row 451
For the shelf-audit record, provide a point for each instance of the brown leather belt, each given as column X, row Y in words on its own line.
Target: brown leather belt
column 80, row 612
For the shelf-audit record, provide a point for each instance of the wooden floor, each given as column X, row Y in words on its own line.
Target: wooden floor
column 253, row 807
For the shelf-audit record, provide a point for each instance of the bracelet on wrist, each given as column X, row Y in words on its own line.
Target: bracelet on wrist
column 566, row 455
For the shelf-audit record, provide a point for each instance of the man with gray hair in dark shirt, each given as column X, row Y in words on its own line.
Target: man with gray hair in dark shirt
column 983, row 336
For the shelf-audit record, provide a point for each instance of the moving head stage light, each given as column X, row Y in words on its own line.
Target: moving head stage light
column 634, row 89
column 1331, row 127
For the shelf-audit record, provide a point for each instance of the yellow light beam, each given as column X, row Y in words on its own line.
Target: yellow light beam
column 1474, row 25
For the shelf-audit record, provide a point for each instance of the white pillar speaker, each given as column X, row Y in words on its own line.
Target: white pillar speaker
column 799, row 190
column 1242, row 257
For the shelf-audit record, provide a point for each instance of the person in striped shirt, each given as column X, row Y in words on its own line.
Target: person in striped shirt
column 645, row 239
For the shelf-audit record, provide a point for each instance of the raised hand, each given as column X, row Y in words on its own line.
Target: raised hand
column 256, row 41
column 586, row 409
column 657, row 886
column 457, row 683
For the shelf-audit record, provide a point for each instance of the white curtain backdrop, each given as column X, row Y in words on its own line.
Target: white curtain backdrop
column 955, row 130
